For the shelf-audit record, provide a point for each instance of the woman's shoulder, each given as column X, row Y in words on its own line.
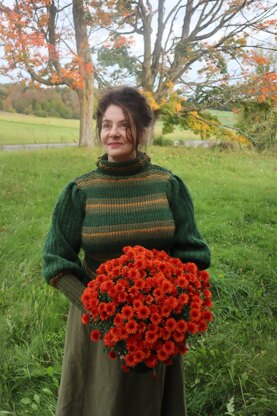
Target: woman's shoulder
column 161, row 170
column 83, row 180
column 166, row 173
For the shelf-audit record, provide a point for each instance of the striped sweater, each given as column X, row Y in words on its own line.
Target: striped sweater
column 120, row 204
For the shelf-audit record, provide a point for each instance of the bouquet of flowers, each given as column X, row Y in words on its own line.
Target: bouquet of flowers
column 144, row 304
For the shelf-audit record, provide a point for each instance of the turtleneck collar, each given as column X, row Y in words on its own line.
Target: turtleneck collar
column 131, row 167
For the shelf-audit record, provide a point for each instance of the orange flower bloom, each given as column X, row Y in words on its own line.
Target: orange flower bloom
column 139, row 356
column 133, row 274
column 166, row 334
column 112, row 355
column 183, row 282
column 95, row 335
column 183, row 299
column 162, row 355
column 156, row 318
column 131, row 326
column 181, row 325
column 167, row 286
column 85, row 318
column 151, row 361
column 207, row 315
column 195, row 314
column 169, row 347
column 170, row 324
column 122, row 297
column 110, row 308
column 137, row 303
column 165, row 312
column 151, row 337
column 158, row 292
column 143, row 312
column 202, row 325
column 183, row 349
column 130, row 360
column 122, row 333
column 127, row 312
column 118, row 319
column 192, row 327
column 208, row 303
column 139, row 283
column 207, row 294
column 179, row 336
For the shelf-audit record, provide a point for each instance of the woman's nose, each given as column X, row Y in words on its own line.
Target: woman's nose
column 114, row 130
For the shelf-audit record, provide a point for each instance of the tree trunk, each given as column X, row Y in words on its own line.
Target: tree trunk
column 85, row 92
column 150, row 133
column 85, row 96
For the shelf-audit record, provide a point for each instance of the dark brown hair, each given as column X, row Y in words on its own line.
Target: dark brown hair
column 134, row 106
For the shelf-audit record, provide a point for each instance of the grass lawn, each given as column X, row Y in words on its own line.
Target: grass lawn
column 25, row 129
column 232, row 369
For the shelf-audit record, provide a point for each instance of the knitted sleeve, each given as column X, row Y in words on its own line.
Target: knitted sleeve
column 189, row 244
column 63, row 241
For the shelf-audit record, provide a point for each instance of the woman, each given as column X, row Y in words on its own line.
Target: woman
column 126, row 200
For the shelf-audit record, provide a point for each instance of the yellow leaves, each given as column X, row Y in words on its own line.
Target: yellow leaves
column 151, row 100
column 235, row 137
column 172, row 103
column 170, row 84
column 178, row 107
column 199, row 125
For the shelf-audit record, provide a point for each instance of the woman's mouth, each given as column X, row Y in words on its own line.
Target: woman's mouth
column 114, row 144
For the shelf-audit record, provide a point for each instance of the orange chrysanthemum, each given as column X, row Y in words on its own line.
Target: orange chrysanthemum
column 95, row 335
column 131, row 326
column 139, row 304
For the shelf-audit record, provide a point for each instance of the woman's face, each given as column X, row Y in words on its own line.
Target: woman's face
column 114, row 135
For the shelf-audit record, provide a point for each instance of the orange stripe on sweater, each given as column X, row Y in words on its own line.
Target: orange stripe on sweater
column 127, row 232
column 130, row 204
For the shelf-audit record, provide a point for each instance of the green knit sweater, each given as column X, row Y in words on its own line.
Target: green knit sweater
column 121, row 204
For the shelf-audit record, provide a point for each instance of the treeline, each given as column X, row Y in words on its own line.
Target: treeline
column 43, row 102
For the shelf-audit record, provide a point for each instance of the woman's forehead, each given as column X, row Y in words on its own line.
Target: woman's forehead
column 115, row 113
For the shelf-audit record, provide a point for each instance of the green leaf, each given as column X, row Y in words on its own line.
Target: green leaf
column 36, row 398
column 47, row 391
column 26, row 400
column 230, row 406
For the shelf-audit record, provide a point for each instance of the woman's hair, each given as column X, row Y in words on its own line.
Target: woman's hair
column 134, row 106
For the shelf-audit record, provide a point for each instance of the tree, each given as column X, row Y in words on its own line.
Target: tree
column 253, row 98
column 196, row 34
column 39, row 39
column 258, row 101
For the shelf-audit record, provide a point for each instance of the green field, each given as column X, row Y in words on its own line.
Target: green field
column 26, row 129
column 232, row 369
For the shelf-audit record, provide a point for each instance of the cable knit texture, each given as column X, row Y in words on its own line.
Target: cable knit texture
column 121, row 204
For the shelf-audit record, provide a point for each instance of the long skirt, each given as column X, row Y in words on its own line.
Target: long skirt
column 92, row 384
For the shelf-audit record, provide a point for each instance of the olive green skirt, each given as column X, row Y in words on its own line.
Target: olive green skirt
column 94, row 385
